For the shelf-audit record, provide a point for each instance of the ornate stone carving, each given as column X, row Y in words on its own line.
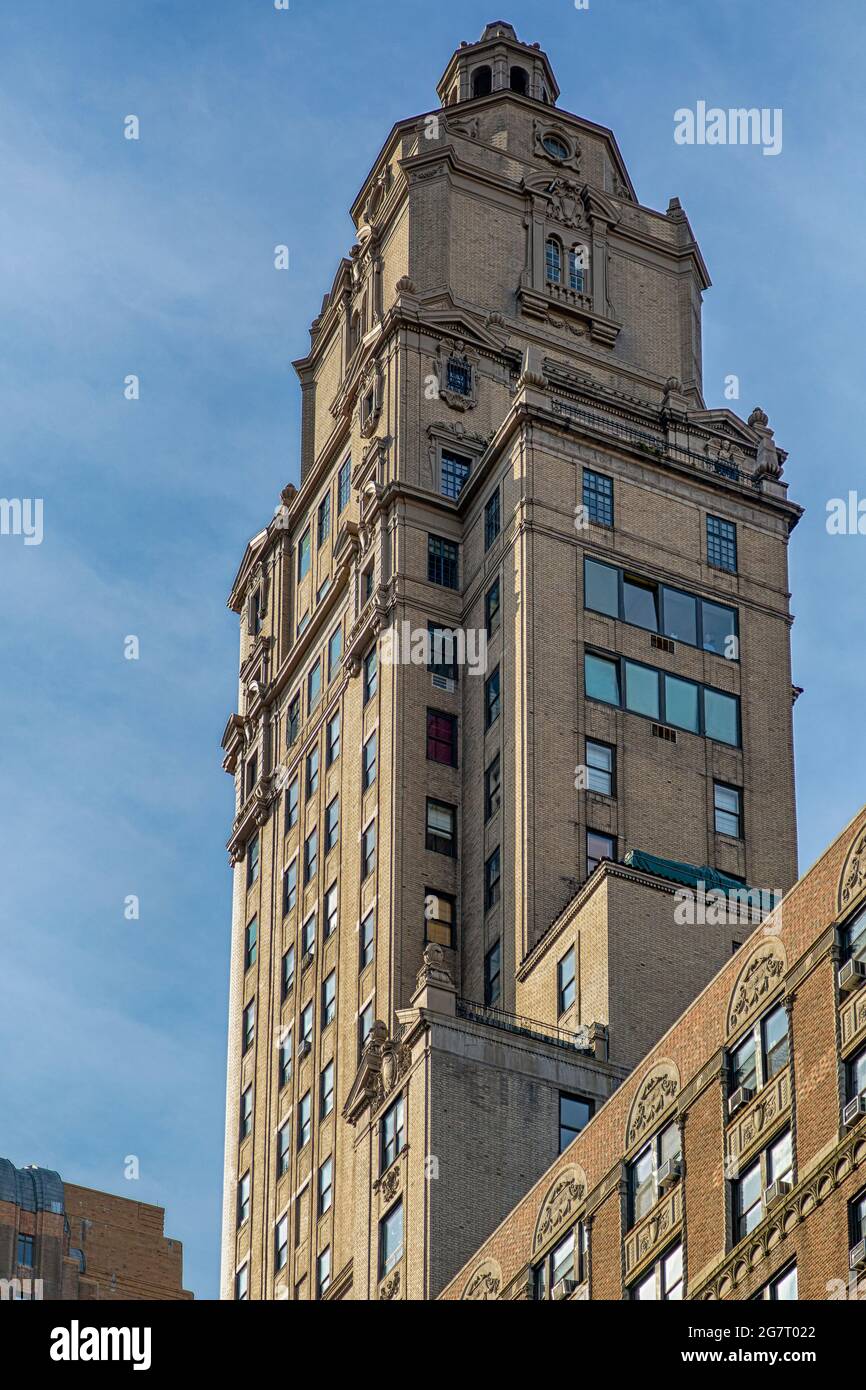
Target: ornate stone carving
column 542, row 130
column 852, row 881
column 655, row 1228
column 390, row 1184
column 656, row 1093
column 759, row 976
column 750, row 1126
column 391, row 1287
column 466, row 126
column 434, row 970
column 561, row 1202
column 565, row 205
column 484, row 1282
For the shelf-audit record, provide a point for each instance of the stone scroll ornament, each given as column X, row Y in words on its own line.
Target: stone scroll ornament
column 852, row 882
column 655, row 1094
column 760, row 975
column 561, row 1202
column 484, row 1282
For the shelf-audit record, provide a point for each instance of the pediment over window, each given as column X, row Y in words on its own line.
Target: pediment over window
column 484, row 1282
column 852, row 881
column 655, row 1096
column 562, row 1201
column 760, row 976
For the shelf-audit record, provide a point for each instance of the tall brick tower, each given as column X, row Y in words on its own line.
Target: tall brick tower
column 504, row 438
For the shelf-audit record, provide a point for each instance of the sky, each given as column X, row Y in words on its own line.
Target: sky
column 154, row 258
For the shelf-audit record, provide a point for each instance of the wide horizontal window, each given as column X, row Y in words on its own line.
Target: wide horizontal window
column 645, row 690
column 655, row 607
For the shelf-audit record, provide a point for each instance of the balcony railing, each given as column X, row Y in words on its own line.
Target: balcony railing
column 474, row 1012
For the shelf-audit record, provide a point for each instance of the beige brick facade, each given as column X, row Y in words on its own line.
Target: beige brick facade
column 445, row 331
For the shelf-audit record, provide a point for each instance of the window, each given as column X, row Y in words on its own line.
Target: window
column 248, row 1027
column 365, row 1023
column 293, row 720
column 643, row 1188
column 332, row 910
column 242, row 1284
column 552, row 143
column 482, row 81
column 288, row 972
column 442, row 561
column 857, row 1212
column 438, row 918
column 252, row 774
column 393, row 1134
column 304, row 1121
column 285, row 1059
column 856, row 1076
column 246, row 1112
column 553, row 261
column 518, row 81
column 455, row 468
column 370, row 675
column 781, row 1289
column 441, row 737
column 492, row 703
column 367, row 582
column 598, row 847
column 335, row 652
column 308, row 934
column 368, row 763
column 718, row 629
column 567, row 1260
column 281, row 1243
column 679, row 620
column 493, row 974
column 368, row 850
column 254, row 613
column 492, row 523
column 292, row 794
column 700, row 709
column 344, row 485
column 323, row 1271
column 441, row 827
column 721, row 544
column 728, row 813
column 24, row 1252
column 332, row 824
column 600, row 768
column 251, row 943
column 326, row 1091
column 640, row 602
column 492, row 875
column 442, row 647
column 311, row 855
column 367, row 938
column 775, row 1164
column 314, row 685
column 252, row 861
column 332, row 740
column 492, row 788
column 244, row 1199
column 390, row 1239
column 303, row 624
column 762, row 1052
column 304, row 555
column 601, row 588
column 575, row 1113
column 290, row 886
column 329, row 999
column 854, row 938
column 665, row 1279
column 326, row 1188
column 284, row 1148
column 598, row 497
column 312, row 772
column 491, row 609
column 323, row 588
column 323, row 528
column 577, row 261
column 566, row 988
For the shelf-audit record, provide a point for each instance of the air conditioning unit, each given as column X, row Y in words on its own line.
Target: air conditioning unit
column 444, row 683
column 306, row 1047
column 308, row 960
column 670, row 1173
column 854, row 1110
column 563, row 1287
column 852, row 975
column 776, row 1191
column 857, row 1255
column 740, row 1097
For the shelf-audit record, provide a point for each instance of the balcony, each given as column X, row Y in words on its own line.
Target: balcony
column 473, row 1012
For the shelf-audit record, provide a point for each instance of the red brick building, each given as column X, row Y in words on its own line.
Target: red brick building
column 732, row 1161
column 59, row 1241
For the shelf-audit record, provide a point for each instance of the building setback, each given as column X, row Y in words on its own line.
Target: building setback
column 732, row 1162
column 59, row 1241
column 503, row 436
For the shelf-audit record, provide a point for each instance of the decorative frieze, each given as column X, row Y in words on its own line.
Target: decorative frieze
column 560, row 1206
column 656, row 1094
column 760, row 976
column 484, row 1282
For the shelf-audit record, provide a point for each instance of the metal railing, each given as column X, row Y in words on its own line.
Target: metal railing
column 474, row 1012
column 655, row 444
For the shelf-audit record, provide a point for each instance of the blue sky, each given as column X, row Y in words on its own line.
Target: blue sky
column 155, row 257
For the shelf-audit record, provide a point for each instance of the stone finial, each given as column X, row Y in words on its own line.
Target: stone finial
column 759, row 418
column 405, row 285
column 435, row 988
column 434, row 969
column 769, row 464
column 532, row 373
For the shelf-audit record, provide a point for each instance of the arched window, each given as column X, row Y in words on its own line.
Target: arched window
column 578, row 264
column 553, row 261
column 482, row 82
column 519, row 81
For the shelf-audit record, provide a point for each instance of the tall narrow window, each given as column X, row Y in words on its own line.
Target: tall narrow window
column 390, row 1239
column 493, row 974
column 326, row 1185
column 281, row 1243
column 438, row 917
column 365, row 1023
column 284, row 1148
column 290, row 886
column 326, row 1091
column 454, row 471
column 442, row 737
column 565, row 982
column 246, row 1113
column 598, row 497
column 370, row 675
column 332, row 741
column 323, row 1271
column 491, row 519
column 728, row 815
column 492, row 789
column 335, row 652
column 575, row 1113
column 293, row 720
column 368, row 763
column 292, row 796
column 304, row 555
column 367, row 938
column 721, row 544
column 332, row 824
column 492, row 703
column 392, row 1134
column 251, row 946
column 311, row 855
column 441, row 827
column 332, row 910
column 323, row 529
column 491, row 608
column 368, row 850
column 442, row 565
column 600, row 767
column 284, row 1064
column 314, row 685
column 252, row 861
column 329, row 999
column 244, row 1199
column 248, row 1026
column 577, row 263
column 312, row 772
column 288, row 970
column 492, row 879
column 344, row 485
column 553, row 261
column 304, row 1120
column 598, row 847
